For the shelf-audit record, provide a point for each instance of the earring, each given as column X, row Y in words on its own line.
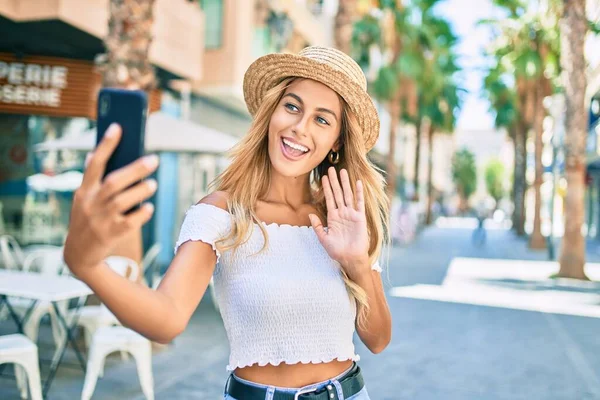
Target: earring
column 334, row 157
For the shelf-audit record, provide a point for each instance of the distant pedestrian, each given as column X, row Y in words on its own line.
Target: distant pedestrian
column 292, row 236
column 479, row 234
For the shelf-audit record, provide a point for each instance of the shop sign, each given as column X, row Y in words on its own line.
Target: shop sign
column 47, row 86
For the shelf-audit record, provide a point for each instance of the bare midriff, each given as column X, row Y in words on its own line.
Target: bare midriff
column 292, row 375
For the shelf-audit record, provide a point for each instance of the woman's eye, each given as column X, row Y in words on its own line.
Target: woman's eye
column 291, row 107
column 322, row 121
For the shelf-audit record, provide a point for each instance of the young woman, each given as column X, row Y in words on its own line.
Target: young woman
column 291, row 234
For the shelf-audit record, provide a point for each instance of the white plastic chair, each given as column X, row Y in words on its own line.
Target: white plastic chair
column 19, row 350
column 149, row 265
column 12, row 258
column 45, row 261
column 91, row 318
column 11, row 252
column 213, row 293
column 109, row 339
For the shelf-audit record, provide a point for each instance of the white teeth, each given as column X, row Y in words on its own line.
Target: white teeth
column 295, row 146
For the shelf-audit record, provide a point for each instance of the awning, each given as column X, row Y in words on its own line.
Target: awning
column 163, row 134
column 66, row 182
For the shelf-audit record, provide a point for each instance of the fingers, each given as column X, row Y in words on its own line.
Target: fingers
column 131, row 197
column 329, row 200
column 123, row 178
column 347, row 188
column 337, row 196
column 315, row 221
column 136, row 219
column 336, row 188
column 97, row 162
column 360, row 197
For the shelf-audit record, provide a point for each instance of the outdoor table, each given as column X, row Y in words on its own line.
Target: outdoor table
column 50, row 288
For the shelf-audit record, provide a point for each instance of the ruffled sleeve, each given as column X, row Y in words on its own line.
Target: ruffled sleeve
column 205, row 223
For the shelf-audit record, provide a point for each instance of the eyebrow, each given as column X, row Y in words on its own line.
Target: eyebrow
column 320, row 109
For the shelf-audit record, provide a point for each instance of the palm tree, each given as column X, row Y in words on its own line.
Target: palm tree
column 126, row 65
column 433, row 34
column 528, row 43
column 405, row 35
column 573, row 27
column 439, row 103
column 503, row 102
column 390, row 34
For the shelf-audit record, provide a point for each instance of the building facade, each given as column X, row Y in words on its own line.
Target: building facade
column 48, row 88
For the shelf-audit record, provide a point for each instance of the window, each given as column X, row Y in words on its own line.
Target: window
column 213, row 20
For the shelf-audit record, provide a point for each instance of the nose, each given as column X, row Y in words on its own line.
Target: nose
column 300, row 128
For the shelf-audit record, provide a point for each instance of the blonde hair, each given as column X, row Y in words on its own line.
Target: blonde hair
column 247, row 179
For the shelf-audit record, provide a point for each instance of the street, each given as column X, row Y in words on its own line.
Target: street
column 445, row 344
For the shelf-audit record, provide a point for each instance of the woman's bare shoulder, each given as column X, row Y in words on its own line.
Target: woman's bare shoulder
column 217, row 199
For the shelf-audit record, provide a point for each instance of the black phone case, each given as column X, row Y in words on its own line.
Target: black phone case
column 128, row 108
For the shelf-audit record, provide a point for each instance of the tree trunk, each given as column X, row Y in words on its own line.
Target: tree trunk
column 126, row 65
column 463, row 205
column 520, row 181
column 395, row 115
column 573, row 27
column 428, row 218
column 537, row 240
column 394, row 109
column 417, row 159
column 344, row 20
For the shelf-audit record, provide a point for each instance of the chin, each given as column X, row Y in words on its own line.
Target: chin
column 287, row 169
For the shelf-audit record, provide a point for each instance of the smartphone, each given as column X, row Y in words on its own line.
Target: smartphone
column 128, row 108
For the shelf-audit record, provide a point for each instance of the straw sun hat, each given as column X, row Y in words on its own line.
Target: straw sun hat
column 322, row 64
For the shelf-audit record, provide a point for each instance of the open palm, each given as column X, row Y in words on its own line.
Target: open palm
column 346, row 238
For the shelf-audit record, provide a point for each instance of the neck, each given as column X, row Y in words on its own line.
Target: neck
column 291, row 191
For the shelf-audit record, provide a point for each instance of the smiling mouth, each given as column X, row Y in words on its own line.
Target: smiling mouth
column 292, row 150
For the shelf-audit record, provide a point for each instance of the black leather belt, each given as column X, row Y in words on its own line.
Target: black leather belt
column 352, row 382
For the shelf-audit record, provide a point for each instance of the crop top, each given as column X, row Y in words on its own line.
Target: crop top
column 286, row 304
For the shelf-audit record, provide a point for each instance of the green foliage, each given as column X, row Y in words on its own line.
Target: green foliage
column 386, row 84
column 502, row 97
column 427, row 58
column 409, row 64
column 519, row 39
column 440, row 97
column 464, row 172
column 525, row 47
column 515, row 7
column 494, row 179
column 366, row 32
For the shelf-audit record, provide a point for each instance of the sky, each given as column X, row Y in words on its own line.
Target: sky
column 463, row 15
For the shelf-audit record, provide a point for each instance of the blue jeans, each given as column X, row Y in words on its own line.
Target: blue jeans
column 362, row 395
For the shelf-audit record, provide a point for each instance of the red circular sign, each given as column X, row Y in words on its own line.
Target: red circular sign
column 18, row 154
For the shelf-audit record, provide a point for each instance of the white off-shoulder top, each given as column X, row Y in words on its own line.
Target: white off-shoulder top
column 286, row 304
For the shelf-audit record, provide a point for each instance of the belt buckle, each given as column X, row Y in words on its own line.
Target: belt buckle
column 305, row 391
